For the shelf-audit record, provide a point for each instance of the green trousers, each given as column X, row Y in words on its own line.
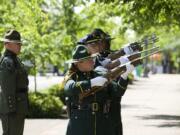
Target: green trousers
column 12, row 124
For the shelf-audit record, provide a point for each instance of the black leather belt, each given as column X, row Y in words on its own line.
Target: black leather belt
column 93, row 107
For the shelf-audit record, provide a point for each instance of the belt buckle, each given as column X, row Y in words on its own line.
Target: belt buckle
column 95, row 107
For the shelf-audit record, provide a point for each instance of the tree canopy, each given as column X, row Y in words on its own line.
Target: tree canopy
column 50, row 29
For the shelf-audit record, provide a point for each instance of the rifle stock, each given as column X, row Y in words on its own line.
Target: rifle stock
column 131, row 57
column 112, row 74
column 116, row 54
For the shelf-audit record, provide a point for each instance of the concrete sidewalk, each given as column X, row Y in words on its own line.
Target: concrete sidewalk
column 150, row 107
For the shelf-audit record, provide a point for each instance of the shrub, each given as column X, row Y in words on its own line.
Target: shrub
column 44, row 105
column 131, row 78
column 57, row 91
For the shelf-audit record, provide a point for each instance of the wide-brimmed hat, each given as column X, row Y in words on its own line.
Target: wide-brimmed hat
column 95, row 36
column 12, row 36
column 89, row 39
column 97, row 32
column 80, row 53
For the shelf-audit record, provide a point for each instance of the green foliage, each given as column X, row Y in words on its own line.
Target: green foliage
column 146, row 14
column 143, row 14
column 50, row 29
column 131, row 78
column 58, row 91
column 44, row 106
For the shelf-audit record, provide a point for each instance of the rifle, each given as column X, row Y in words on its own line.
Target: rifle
column 131, row 57
column 114, row 73
column 136, row 46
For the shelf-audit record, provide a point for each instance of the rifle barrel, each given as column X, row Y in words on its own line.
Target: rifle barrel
column 88, row 93
column 141, row 57
column 147, row 50
column 151, row 54
column 149, row 41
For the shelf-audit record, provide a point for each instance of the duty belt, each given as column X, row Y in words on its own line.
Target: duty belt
column 93, row 107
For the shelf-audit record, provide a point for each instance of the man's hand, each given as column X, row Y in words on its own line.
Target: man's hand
column 136, row 46
column 123, row 60
column 131, row 48
column 129, row 69
column 101, row 69
column 98, row 81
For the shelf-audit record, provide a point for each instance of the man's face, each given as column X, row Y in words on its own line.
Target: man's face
column 14, row 47
column 85, row 65
column 96, row 47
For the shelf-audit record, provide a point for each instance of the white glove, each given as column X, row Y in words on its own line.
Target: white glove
column 129, row 69
column 123, row 60
column 101, row 69
column 98, row 81
column 128, row 50
column 105, row 62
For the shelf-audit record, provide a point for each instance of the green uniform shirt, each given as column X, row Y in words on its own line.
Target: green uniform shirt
column 115, row 100
column 83, row 120
column 13, row 84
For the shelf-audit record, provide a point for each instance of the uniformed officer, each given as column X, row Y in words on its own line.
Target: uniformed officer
column 89, row 116
column 115, row 109
column 13, row 86
column 99, row 42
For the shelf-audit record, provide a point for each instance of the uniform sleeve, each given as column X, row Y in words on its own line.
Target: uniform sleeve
column 74, row 88
column 118, row 88
column 8, row 84
column 123, row 84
